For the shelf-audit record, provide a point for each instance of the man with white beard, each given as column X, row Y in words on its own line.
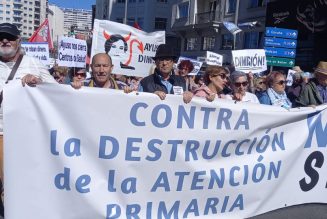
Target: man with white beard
column 28, row 69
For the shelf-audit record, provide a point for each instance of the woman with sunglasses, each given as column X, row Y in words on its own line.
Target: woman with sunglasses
column 275, row 94
column 215, row 79
column 240, row 86
column 77, row 75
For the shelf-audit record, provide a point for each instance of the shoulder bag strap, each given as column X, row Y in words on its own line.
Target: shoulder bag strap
column 12, row 74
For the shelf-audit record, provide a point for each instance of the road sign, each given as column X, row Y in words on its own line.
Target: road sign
column 281, row 32
column 280, row 52
column 275, row 61
column 280, row 42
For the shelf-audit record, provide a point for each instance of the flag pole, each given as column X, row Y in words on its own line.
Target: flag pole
column 125, row 17
column 236, row 20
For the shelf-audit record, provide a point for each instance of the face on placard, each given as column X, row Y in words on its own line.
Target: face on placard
column 240, row 85
column 183, row 71
column 165, row 65
column 101, row 68
column 279, row 84
column 117, row 49
column 9, row 45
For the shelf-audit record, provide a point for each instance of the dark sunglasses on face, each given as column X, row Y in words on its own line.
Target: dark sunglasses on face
column 80, row 74
column 8, row 37
column 281, row 82
column 222, row 76
column 238, row 84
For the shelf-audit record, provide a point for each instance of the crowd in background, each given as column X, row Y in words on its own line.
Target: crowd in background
column 212, row 82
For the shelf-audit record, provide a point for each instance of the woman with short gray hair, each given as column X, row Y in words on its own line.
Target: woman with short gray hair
column 239, row 85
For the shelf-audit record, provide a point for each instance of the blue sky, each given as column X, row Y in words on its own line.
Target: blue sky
column 80, row 4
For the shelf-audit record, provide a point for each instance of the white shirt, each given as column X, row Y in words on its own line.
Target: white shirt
column 248, row 97
column 29, row 65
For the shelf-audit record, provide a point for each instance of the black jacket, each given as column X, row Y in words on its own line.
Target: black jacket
column 153, row 83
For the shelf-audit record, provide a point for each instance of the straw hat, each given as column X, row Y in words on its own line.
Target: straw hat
column 321, row 68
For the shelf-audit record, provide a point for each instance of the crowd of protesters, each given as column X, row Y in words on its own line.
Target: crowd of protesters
column 216, row 81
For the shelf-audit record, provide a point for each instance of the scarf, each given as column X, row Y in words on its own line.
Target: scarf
column 279, row 99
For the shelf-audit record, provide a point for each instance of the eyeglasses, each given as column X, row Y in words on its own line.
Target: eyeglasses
column 238, row 84
column 80, row 74
column 282, row 82
column 8, row 37
column 222, row 76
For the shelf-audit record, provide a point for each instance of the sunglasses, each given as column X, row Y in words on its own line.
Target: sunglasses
column 222, row 76
column 80, row 74
column 8, row 37
column 281, row 82
column 238, row 84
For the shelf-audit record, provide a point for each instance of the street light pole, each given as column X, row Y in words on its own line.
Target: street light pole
column 125, row 17
column 236, row 19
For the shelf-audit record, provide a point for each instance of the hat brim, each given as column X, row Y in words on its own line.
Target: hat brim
column 9, row 32
column 158, row 57
column 321, row 71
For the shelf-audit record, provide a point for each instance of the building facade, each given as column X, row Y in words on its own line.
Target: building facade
column 151, row 15
column 56, row 22
column 27, row 15
column 199, row 24
column 77, row 21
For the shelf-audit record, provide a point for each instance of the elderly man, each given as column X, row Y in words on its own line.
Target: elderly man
column 15, row 65
column 101, row 73
column 315, row 92
column 164, row 81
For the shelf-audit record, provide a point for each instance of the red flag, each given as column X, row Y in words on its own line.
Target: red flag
column 42, row 34
column 136, row 25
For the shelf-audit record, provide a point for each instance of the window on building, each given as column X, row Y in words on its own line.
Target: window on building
column 121, row 1
column 192, row 44
column 257, row 3
column 130, row 21
column 7, row 12
column 160, row 23
column 227, row 41
column 7, row 6
column 7, row 19
column 141, row 0
column 253, row 40
column 131, row 1
column 183, row 10
column 1, row 18
column 1, row 12
column 119, row 20
column 140, row 22
column 208, row 43
column 231, row 6
column 162, row 1
column 1, row 5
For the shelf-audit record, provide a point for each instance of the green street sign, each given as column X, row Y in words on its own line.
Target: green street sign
column 274, row 61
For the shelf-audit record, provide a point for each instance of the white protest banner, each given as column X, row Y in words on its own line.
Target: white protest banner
column 214, row 59
column 37, row 50
column 139, row 157
column 250, row 60
column 289, row 79
column 197, row 64
column 72, row 52
column 131, row 49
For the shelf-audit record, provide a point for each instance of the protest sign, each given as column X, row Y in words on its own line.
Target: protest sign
column 72, row 52
column 197, row 64
column 131, row 49
column 37, row 50
column 214, row 59
column 139, row 157
column 250, row 60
